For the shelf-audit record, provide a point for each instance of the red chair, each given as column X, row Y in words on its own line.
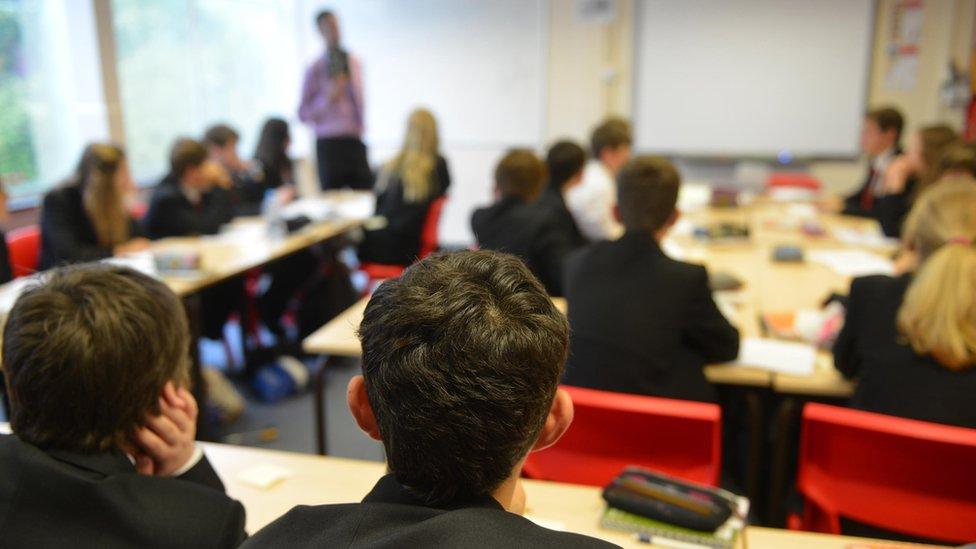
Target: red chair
column 613, row 430
column 793, row 180
column 906, row 476
column 429, row 242
column 24, row 247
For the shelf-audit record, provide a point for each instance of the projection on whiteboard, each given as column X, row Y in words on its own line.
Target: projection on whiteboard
column 751, row 77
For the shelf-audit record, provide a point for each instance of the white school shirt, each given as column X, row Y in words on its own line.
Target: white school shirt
column 592, row 202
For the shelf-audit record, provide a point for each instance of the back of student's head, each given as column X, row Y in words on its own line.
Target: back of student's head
column 103, row 196
column 86, row 353
column 565, row 160
column 647, row 193
column 888, row 119
column 934, row 140
column 612, row 133
column 186, row 154
column 461, row 358
column 220, row 135
column 520, row 174
column 272, row 147
column 938, row 315
column 415, row 164
column 958, row 160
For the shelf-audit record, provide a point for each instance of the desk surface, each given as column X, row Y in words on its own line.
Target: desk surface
column 320, row 480
column 769, row 286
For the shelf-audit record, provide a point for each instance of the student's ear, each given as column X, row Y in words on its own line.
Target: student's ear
column 559, row 419
column 675, row 216
column 360, row 408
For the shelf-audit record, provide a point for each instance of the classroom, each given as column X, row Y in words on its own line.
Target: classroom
column 488, row 273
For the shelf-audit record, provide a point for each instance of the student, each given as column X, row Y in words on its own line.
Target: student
column 192, row 199
column 87, row 219
column 5, row 272
column 958, row 161
column 911, row 173
column 248, row 188
column 271, row 155
column 642, row 322
column 911, row 340
column 592, row 201
column 332, row 104
column 517, row 225
column 102, row 453
column 458, row 408
column 564, row 161
column 407, row 186
column 880, row 141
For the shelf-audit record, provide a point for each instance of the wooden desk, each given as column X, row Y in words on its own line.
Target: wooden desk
column 321, row 480
column 338, row 338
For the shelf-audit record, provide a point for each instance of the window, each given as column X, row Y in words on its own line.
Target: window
column 186, row 64
column 50, row 91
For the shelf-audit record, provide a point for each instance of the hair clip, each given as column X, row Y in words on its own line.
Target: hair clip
column 964, row 240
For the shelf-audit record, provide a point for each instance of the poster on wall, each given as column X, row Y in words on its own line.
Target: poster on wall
column 903, row 45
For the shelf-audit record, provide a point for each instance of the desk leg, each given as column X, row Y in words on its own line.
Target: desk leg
column 320, row 416
column 784, row 450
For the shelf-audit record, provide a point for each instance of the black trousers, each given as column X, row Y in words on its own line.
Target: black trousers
column 342, row 163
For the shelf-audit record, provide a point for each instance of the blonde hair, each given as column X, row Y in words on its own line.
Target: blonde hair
column 938, row 314
column 417, row 159
column 101, row 197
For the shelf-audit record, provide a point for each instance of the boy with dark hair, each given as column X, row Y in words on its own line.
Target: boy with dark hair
column 881, row 143
column 565, row 161
column 457, row 407
column 592, row 201
column 642, row 322
column 97, row 361
column 515, row 224
column 192, row 199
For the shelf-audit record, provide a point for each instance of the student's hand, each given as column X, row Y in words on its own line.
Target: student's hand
column 167, row 439
column 284, row 195
column 132, row 246
column 905, row 262
column 831, row 205
column 897, row 175
column 217, row 175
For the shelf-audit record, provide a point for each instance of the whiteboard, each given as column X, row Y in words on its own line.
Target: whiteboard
column 751, row 77
column 479, row 66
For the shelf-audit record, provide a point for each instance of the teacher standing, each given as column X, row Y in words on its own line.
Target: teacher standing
column 332, row 103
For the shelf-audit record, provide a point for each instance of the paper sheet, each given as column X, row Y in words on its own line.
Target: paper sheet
column 852, row 262
column 781, row 357
column 264, row 476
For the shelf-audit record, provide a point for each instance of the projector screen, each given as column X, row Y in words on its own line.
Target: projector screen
column 756, row 78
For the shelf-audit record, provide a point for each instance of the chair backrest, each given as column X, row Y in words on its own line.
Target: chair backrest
column 429, row 241
column 613, row 430
column 903, row 475
column 795, row 180
column 24, row 247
